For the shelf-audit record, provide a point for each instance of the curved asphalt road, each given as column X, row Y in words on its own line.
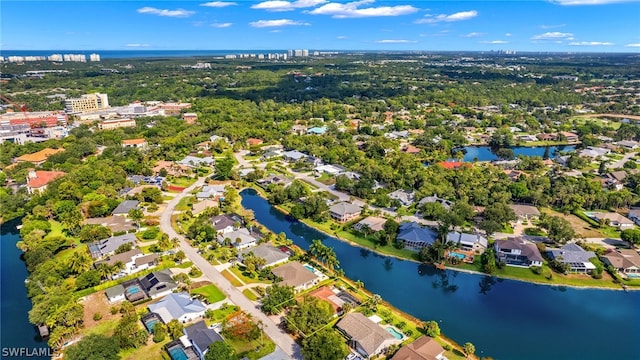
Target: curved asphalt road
column 281, row 338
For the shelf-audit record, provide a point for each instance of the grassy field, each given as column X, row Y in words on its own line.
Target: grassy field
column 152, row 351
column 250, row 294
column 242, row 274
column 255, row 349
column 185, row 203
column 182, row 181
column 229, row 276
column 222, row 313
column 211, row 292
column 326, row 179
column 581, row 228
column 600, row 121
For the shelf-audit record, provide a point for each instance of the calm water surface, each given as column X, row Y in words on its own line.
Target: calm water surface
column 15, row 329
column 483, row 153
column 504, row 319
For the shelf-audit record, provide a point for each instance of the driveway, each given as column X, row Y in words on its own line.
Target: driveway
column 282, row 340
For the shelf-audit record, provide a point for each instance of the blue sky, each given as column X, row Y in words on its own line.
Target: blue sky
column 551, row 25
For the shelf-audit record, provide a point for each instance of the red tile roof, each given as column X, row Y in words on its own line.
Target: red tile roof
column 451, row 164
column 43, row 178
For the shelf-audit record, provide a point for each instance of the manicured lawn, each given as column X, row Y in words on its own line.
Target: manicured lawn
column 185, row 203
column 152, row 351
column 250, row 294
column 326, row 179
column 247, row 349
column 222, row 313
column 227, row 275
column 243, row 275
column 211, row 292
column 182, row 181
column 56, row 230
column 185, row 265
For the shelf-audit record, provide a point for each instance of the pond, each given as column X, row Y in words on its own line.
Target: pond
column 484, row 153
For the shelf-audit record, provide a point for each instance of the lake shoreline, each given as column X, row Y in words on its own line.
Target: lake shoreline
column 446, row 267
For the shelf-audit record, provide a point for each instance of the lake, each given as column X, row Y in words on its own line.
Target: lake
column 504, row 319
column 15, row 330
column 483, row 153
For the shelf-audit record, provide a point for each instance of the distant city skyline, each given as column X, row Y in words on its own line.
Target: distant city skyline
column 546, row 26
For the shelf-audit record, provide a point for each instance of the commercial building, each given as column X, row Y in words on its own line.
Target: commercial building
column 86, row 103
column 116, row 123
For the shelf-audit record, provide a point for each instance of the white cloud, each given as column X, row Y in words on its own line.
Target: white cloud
column 353, row 10
column 281, row 5
column 588, row 2
column 552, row 26
column 591, row 43
column 137, row 45
column 459, row 16
column 165, row 12
column 507, row 34
column 395, row 41
column 472, row 34
column 341, row 37
column 553, row 35
column 633, row 45
column 276, row 23
column 276, row 31
column 494, row 42
column 219, row 4
column 221, row 25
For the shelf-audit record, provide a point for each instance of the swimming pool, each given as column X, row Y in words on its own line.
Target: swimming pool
column 309, row 267
column 457, row 255
column 394, row 332
column 633, row 276
column 132, row 290
column 177, row 353
column 150, row 324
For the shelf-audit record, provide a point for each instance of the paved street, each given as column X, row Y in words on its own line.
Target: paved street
column 284, row 342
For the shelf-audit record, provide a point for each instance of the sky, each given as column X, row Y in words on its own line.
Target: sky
column 534, row 25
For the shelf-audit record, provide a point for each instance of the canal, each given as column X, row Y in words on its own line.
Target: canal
column 504, row 319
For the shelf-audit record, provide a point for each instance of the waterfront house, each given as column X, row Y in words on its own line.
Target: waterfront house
column 297, row 275
column 613, row 219
column 157, row 283
column 573, row 255
column 525, row 212
column 423, row 348
column 364, row 335
column 570, row 137
column 405, row 198
column 625, row 261
column 517, row 252
column 271, row 254
column 241, row 238
column 123, row 208
column 37, row 181
column 470, row 242
column 226, row 223
column 115, row 294
column 344, row 211
column 414, row 236
column 179, row 306
column 200, row 336
column 108, row 246
column 374, row 224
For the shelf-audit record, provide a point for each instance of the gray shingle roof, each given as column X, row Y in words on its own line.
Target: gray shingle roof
column 109, row 245
column 269, row 253
column 467, row 239
column 157, row 281
column 124, row 207
column 368, row 334
column 201, row 336
column 243, row 234
column 294, row 274
column 414, row 232
column 125, row 257
column 114, row 291
column 345, row 208
column 572, row 253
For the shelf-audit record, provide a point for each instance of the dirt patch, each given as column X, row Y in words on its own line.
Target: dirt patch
column 199, row 284
column 581, row 227
column 97, row 303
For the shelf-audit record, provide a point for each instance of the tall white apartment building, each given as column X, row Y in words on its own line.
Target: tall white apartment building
column 94, row 57
column 87, row 103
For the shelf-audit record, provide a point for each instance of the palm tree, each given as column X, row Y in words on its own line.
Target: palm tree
column 81, row 262
column 104, row 270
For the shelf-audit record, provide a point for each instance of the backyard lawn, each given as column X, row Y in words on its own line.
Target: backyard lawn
column 581, row 227
column 210, row 292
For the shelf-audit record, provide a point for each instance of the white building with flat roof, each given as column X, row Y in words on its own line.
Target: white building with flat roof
column 87, row 103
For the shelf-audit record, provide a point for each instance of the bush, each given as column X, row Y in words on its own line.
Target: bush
column 97, row 316
column 150, row 234
column 447, row 347
column 114, row 310
column 537, row 270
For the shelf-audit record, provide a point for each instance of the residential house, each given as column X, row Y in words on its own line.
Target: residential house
column 296, row 275
column 518, row 252
column 625, row 261
column 351, row 175
column 451, row 164
column 145, row 262
column 171, row 168
column 433, row 199
column 37, row 181
column 271, row 254
column 317, row 130
column 135, row 143
column 38, row 158
column 628, row 144
column 201, row 206
column 299, row 129
column 397, row 134
column 333, row 170
column 226, row 223
column 123, row 208
column 179, row 306
column 189, row 118
column 619, row 176
column 613, row 219
column 365, row 336
column 271, row 155
column 294, row 155
column 576, row 257
column 201, row 336
column 594, row 152
column 570, row 137
column 211, row 192
column 423, row 348
column 275, row 179
column 525, row 212
column 344, row 211
column 127, row 258
column 406, row 198
column 634, row 214
column 158, row 283
column 414, row 236
column 547, row 137
column 115, row 294
column 254, row 142
column 410, row 149
column 108, row 246
column 240, row 239
column 194, row 161
column 373, row 223
column 472, row 242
